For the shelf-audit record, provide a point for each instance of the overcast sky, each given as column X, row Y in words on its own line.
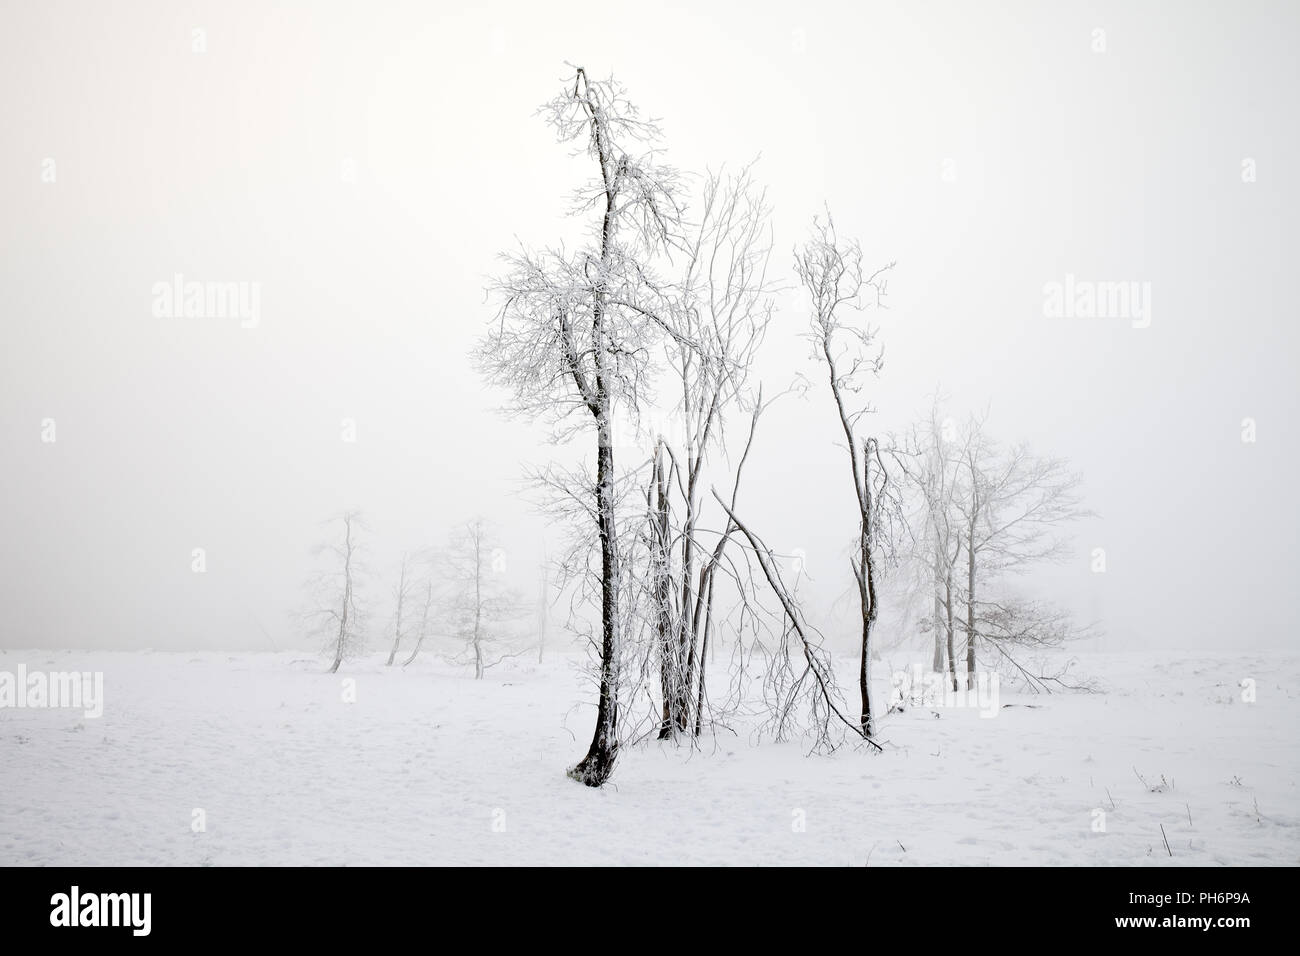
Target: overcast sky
column 365, row 163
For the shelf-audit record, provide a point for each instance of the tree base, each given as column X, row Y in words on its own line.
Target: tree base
column 594, row 769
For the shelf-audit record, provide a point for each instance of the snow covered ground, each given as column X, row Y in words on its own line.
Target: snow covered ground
column 428, row 766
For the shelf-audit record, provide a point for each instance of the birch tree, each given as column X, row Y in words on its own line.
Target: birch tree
column 402, row 594
column 336, row 616
column 426, row 605
column 723, row 308
column 839, row 289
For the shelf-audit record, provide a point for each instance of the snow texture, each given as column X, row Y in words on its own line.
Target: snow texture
column 431, row 767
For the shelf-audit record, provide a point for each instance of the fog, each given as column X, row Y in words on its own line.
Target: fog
column 364, row 164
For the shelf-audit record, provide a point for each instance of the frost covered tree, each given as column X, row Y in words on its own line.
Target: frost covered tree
column 402, row 594
column 928, row 459
column 478, row 602
column 573, row 333
column 336, row 615
column 1011, row 510
column 839, row 289
column 426, row 595
column 724, row 304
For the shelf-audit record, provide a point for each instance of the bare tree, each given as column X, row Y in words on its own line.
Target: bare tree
column 336, row 615
column 402, row 594
column 425, row 606
column 928, row 458
column 825, row 696
column 574, row 330
column 1012, row 508
column 832, row 273
column 723, row 306
column 478, row 601
column 543, row 607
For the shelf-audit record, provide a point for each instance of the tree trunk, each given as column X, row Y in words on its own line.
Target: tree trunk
column 686, row 626
column 868, row 588
column 418, row 642
column 937, row 665
column 594, row 769
column 339, row 647
column 950, row 630
column 704, row 647
column 541, row 614
column 970, row 616
column 424, row 622
column 342, row 648
column 397, row 629
column 478, row 606
column 669, row 672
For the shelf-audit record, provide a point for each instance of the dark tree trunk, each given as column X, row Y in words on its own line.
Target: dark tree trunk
column 669, row 673
column 595, row 768
column 686, row 626
column 868, row 587
column 950, row 631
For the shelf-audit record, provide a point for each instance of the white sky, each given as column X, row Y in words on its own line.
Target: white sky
column 174, row 434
